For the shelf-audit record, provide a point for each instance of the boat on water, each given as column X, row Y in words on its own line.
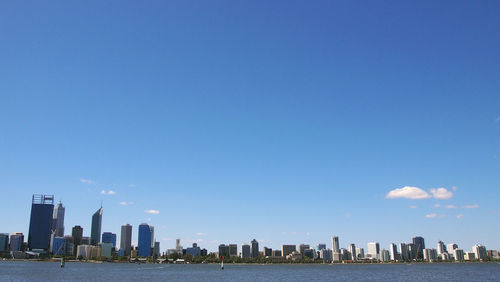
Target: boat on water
column 222, row 263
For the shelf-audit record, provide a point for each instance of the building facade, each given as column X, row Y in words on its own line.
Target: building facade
column 42, row 207
column 144, row 240
column 95, row 232
column 126, row 239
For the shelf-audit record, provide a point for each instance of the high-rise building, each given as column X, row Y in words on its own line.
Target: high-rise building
column 233, row 250
column 223, row 250
column 108, row 237
column 384, row 255
column 287, row 249
column 302, row 248
column 16, row 242
column 393, row 250
column 479, row 252
column 374, row 250
column 77, row 234
column 153, row 236
column 59, row 246
column 403, row 251
column 126, row 239
column 360, row 252
column 441, row 248
column 42, row 207
column 320, row 247
column 95, row 232
column 430, row 254
column 458, row 254
column 144, row 240
column 255, row 248
column 245, row 251
column 452, row 247
column 156, row 249
column 420, row 246
column 335, row 244
column 4, row 242
column 58, row 220
column 268, row 252
column 352, row 250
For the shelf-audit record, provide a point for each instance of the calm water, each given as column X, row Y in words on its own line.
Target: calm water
column 29, row 271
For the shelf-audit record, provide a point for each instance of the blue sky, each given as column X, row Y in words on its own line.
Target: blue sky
column 284, row 121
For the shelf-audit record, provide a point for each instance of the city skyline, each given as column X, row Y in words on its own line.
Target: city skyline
column 215, row 122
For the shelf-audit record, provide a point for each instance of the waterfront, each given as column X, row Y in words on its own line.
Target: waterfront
column 45, row 271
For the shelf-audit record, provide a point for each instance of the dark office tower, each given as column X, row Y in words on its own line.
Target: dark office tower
column 58, row 220
column 420, row 246
column 255, row 248
column 95, row 232
column 126, row 239
column 77, row 234
column 42, row 207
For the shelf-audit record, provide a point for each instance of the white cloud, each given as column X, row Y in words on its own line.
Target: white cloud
column 437, row 205
column 86, row 181
column 408, row 192
column 412, row 207
column 152, row 211
column 126, row 203
column 475, row 206
column 109, row 192
column 201, row 234
column 441, row 193
column 148, row 219
column 459, row 216
column 432, row 215
column 451, row 207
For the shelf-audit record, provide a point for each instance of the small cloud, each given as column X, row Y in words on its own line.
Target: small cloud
column 412, row 207
column 126, row 203
column 109, row 192
column 148, row 219
column 441, row 193
column 199, row 240
column 86, row 181
column 432, row 215
column 407, row 192
column 437, row 205
column 475, row 206
column 201, row 234
column 152, row 211
column 451, row 207
column 459, row 216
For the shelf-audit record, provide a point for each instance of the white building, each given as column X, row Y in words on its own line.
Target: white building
column 430, row 254
column 441, row 248
column 458, row 254
column 352, row 250
column 373, row 250
column 393, row 249
column 479, row 252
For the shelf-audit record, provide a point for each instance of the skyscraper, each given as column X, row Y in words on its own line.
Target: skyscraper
column 144, row 240
column 374, row 250
column 4, row 242
column 77, row 234
column 16, row 242
column 352, row 250
column 420, row 246
column 255, row 248
column 403, row 249
column 233, row 250
column 393, row 250
column 58, row 220
column 95, row 233
column 108, row 237
column 441, row 248
column 42, row 207
column 335, row 244
column 245, row 251
column 126, row 239
column 152, row 228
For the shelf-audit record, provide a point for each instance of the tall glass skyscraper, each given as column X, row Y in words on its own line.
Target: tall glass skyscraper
column 255, row 248
column 126, row 239
column 58, row 220
column 420, row 246
column 95, row 232
column 42, row 207
column 144, row 240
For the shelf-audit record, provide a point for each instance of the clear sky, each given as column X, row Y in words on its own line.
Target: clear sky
column 284, row 121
